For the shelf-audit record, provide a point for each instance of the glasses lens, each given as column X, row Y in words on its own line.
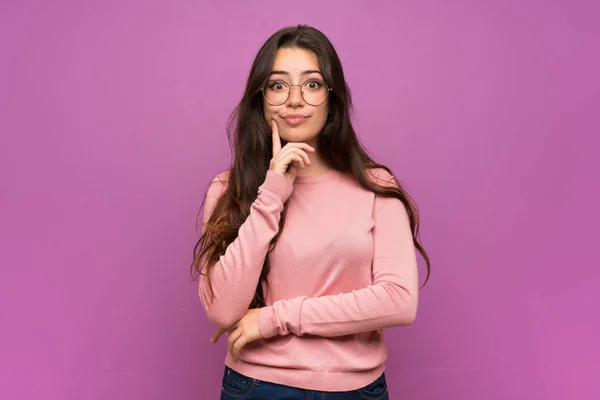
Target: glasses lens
column 314, row 92
column 276, row 92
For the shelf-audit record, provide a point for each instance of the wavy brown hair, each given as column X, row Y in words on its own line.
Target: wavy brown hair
column 251, row 145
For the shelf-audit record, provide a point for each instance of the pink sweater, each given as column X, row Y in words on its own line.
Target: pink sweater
column 343, row 269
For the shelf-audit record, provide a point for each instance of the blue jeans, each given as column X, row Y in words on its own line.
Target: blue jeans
column 236, row 386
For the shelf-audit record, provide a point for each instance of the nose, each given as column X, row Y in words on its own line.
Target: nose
column 295, row 99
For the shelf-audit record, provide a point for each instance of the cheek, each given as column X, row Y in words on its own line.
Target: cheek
column 269, row 111
column 321, row 116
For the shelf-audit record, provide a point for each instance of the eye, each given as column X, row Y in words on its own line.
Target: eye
column 314, row 84
column 276, row 85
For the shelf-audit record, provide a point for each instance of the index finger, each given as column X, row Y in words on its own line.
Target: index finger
column 217, row 335
column 238, row 346
column 276, row 139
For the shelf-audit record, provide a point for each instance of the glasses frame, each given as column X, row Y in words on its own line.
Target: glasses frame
column 262, row 90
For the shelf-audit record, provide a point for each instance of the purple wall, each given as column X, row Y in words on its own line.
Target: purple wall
column 112, row 121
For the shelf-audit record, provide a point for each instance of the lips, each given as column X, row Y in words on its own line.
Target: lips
column 294, row 119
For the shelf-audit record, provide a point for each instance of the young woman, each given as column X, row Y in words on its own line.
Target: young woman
column 308, row 248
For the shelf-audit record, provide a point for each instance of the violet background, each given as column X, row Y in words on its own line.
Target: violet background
column 112, row 123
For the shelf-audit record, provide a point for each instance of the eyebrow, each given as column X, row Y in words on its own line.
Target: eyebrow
column 310, row 71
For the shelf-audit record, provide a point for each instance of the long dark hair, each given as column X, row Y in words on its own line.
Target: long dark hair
column 251, row 144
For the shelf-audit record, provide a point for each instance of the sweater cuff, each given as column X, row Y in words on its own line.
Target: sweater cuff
column 266, row 326
column 278, row 184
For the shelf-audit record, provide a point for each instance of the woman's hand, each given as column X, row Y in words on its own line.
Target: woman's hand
column 241, row 333
column 293, row 155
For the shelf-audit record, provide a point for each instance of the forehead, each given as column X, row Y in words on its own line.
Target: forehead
column 295, row 60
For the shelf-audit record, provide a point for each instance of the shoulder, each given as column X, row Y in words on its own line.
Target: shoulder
column 218, row 184
column 381, row 176
column 222, row 177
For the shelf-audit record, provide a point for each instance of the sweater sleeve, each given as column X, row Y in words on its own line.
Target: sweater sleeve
column 390, row 301
column 235, row 275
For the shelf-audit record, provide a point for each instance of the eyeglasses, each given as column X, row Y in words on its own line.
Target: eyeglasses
column 314, row 92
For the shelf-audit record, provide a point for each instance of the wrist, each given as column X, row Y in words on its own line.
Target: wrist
column 266, row 323
column 278, row 184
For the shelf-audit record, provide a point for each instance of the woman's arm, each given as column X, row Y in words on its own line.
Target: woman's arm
column 390, row 301
column 235, row 276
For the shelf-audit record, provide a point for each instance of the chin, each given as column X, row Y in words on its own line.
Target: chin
column 297, row 138
column 296, row 134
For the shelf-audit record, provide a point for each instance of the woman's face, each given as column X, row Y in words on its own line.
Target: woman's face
column 298, row 121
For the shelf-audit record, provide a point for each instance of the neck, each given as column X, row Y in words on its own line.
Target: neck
column 317, row 165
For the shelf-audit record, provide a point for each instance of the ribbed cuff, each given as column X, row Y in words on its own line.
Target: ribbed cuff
column 278, row 184
column 266, row 326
